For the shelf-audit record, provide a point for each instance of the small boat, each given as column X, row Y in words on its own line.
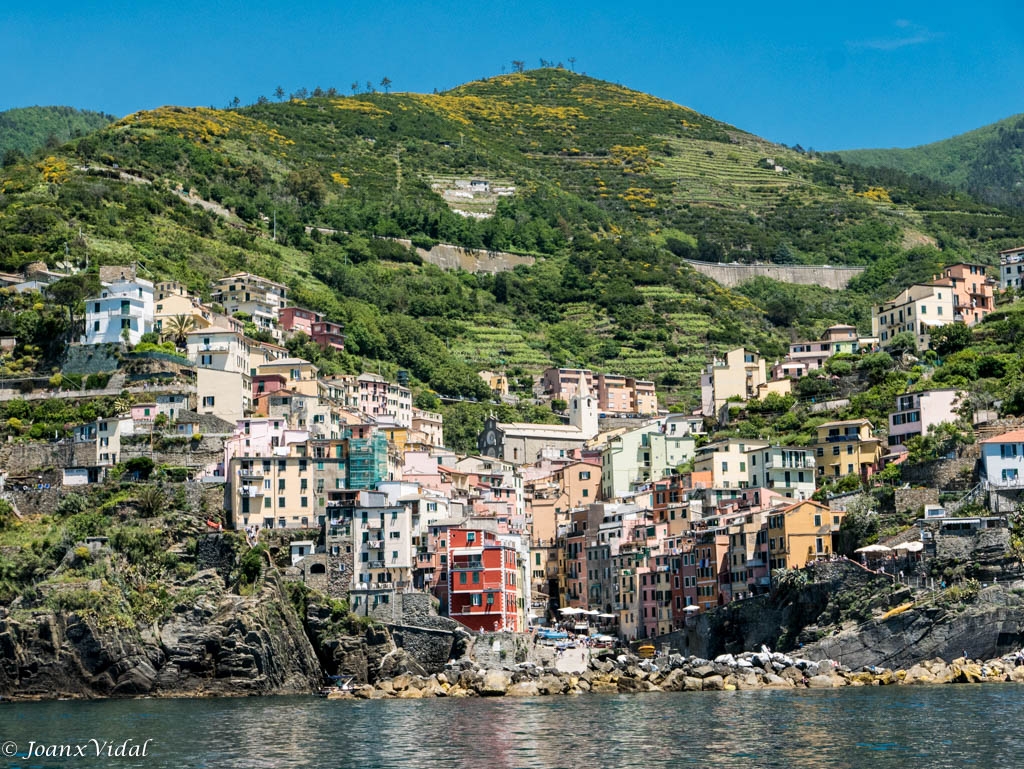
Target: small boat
column 552, row 635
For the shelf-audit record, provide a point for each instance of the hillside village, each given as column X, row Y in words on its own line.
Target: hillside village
column 629, row 516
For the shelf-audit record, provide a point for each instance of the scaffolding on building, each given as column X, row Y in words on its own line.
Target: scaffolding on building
column 367, row 461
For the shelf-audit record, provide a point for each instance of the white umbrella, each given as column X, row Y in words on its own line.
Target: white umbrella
column 692, row 608
column 608, row 616
column 570, row 610
column 592, row 613
column 910, row 547
column 873, row 549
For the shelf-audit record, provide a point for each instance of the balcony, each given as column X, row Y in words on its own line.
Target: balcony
column 251, row 491
column 847, row 438
column 807, row 463
column 375, row 564
column 252, row 473
column 375, row 544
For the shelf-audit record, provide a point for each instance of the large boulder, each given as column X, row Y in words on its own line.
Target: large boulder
column 548, row 685
column 523, row 689
column 494, row 683
column 825, row 681
column 713, row 684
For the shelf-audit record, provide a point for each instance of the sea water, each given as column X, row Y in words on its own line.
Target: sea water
column 872, row 727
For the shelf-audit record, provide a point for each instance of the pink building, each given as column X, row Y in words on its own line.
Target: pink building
column 426, row 470
column 261, row 437
column 563, row 383
column 916, row 413
column 294, row 319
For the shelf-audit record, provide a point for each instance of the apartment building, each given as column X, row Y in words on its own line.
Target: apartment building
column 801, row 533
column 846, row 448
column 122, row 312
column 223, row 384
column 257, row 297
column 1011, row 268
column 973, row 291
column 916, row 413
column 787, row 470
column 737, row 376
column 916, row 310
column 484, row 590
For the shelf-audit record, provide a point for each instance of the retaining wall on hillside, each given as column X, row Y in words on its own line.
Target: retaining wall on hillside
column 807, row 275
column 449, row 257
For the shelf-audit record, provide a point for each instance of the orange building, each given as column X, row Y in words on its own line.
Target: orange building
column 973, row 291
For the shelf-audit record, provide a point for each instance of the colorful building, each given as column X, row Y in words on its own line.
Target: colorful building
column 916, row 413
column 847, row 448
column 801, row 533
column 483, row 582
column 737, row 377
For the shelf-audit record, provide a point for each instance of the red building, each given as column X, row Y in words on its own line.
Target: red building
column 327, row 333
column 483, row 589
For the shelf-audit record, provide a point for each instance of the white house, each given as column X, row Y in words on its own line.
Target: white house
column 124, row 304
column 1002, row 460
column 1002, row 470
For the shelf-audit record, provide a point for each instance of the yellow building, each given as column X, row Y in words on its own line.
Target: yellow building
column 845, row 448
column 223, row 384
column 300, row 375
column 727, row 461
column 497, row 381
column 800, row 533
column 736, row 377
column 287, row 492
column 172, row 301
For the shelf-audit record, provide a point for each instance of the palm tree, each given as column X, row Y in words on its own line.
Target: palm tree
column 177, row 328
column 122, row 404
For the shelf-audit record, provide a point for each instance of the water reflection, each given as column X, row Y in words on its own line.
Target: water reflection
column 945, row 726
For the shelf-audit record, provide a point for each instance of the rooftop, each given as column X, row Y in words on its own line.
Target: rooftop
column 1014, row 436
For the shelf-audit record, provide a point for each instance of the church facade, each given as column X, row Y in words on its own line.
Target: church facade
column 522, row 442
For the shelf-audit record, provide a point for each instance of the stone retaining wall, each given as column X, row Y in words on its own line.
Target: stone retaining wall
column 807, row 275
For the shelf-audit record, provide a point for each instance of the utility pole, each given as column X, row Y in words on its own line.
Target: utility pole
column 275, row 225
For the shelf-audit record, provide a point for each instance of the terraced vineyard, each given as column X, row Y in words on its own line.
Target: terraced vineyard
column 734, row 175
column 489, row 346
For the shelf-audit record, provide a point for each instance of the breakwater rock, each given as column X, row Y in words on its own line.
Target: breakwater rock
column 625, row 673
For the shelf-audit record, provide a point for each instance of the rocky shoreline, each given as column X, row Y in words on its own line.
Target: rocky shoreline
column 627, row 674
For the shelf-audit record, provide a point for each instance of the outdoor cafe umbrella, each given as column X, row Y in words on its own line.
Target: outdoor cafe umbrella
column 692, row 608
column 910, row 547
column 571, row 610
column 873, row 549
column 608, row 616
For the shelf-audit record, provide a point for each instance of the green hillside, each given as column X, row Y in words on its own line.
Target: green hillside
column 987, row 162
column 27, row 129
column 610, row 188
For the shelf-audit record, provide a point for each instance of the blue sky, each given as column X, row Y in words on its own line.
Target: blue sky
column 876, row 74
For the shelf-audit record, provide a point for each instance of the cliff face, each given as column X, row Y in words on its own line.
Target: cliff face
column 992, row 627
column 219, row 644
column 841, row 615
